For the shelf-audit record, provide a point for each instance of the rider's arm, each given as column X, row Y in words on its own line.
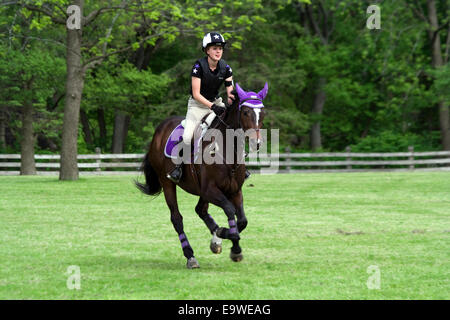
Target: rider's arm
column 229, row 89
column 196, row 82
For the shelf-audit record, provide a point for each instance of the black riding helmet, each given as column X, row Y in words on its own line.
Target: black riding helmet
column 213, row 38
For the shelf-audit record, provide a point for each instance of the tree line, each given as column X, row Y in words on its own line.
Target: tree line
column 107, row 79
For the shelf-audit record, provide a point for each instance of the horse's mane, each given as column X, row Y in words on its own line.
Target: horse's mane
column 231, row 110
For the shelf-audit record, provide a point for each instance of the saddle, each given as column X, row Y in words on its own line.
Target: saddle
column 171, row 148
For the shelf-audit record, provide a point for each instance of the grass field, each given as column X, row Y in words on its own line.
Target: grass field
column 310, row 236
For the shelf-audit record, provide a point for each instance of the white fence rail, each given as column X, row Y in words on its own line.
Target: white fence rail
column 287, row 162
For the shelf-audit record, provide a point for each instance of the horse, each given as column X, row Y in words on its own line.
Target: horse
column 217, row 183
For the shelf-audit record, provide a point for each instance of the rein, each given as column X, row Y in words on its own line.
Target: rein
column 227, row 126
column 235, row 167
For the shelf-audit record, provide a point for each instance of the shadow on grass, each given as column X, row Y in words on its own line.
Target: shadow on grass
column 128, row 264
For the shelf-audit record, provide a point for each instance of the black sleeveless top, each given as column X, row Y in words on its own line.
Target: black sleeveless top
column 211, row 80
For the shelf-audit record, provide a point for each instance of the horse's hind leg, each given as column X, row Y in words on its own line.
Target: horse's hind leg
column 202, row 210
column 177, row 221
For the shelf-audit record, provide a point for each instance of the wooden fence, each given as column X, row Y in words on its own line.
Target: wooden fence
column 98, row 164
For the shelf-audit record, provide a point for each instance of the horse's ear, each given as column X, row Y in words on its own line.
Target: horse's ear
column 241, row 93
column 263, row 93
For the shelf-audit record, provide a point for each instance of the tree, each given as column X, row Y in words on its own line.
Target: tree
column 29, row 77
column 438, row 28
column 319, row 21
column 87, row 47
column 126, row 91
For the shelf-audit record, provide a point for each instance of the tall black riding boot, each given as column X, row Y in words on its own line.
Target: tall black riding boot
column 177, row 172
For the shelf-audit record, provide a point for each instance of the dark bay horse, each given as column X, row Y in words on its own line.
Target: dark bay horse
column 216, row 183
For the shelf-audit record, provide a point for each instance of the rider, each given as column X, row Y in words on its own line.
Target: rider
column 207, row 75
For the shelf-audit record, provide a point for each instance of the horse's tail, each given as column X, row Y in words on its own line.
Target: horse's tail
column 152, row 187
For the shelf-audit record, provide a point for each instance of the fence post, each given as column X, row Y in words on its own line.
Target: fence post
column 411, row 157
column 98, row 151
column 348, row 149
column 288, row 158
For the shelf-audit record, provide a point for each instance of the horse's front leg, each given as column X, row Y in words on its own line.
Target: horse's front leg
column 202, row 210
column 238, row 202
column 216, row 196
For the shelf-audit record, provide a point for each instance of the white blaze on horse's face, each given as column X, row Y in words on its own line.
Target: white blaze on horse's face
column 258, row 135
column 257, row 112
column 254, row 134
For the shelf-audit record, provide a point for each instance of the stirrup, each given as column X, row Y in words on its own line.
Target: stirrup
column 175, row 179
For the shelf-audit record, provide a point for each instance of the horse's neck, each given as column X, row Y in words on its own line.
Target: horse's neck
column 230, row 122
column 232, row 115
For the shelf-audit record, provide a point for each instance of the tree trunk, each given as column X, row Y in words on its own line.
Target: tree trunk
column 438, row 62
column 86, row 128
column 2, row 129
column 121, row 121
column 74, row 90
column 46, row 143
column 444, row 122
column 102, row 127
column 27, row 163
column 317, row 110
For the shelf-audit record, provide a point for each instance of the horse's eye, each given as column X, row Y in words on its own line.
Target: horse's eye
column 246, row 113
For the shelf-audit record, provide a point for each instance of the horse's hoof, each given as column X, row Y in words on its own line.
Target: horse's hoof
column 236, row 257
column 216, row 244
column 192, row 263
column 215, row 248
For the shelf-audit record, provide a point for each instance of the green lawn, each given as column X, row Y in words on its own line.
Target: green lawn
column 310, row 236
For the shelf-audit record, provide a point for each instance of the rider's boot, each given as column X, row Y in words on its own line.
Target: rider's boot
column 176, row 174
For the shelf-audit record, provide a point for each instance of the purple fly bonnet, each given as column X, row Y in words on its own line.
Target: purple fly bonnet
column 251, row 99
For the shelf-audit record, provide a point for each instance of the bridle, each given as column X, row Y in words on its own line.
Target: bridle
column 239, row 122
column 241, row 103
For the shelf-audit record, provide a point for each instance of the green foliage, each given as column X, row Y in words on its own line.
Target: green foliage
column 31, row 77
column 126, row 88
column 381, row 92
column 441, row 84
column 388, row 141
column 137, row 93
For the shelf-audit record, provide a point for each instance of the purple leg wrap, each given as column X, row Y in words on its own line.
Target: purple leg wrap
column 183, row 240
column 185, row 244
column 232, row 225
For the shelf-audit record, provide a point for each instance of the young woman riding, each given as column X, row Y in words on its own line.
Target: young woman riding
column 207, row 76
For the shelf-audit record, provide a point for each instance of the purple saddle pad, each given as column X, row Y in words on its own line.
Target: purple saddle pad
column 171, row 148
column 172, row 145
